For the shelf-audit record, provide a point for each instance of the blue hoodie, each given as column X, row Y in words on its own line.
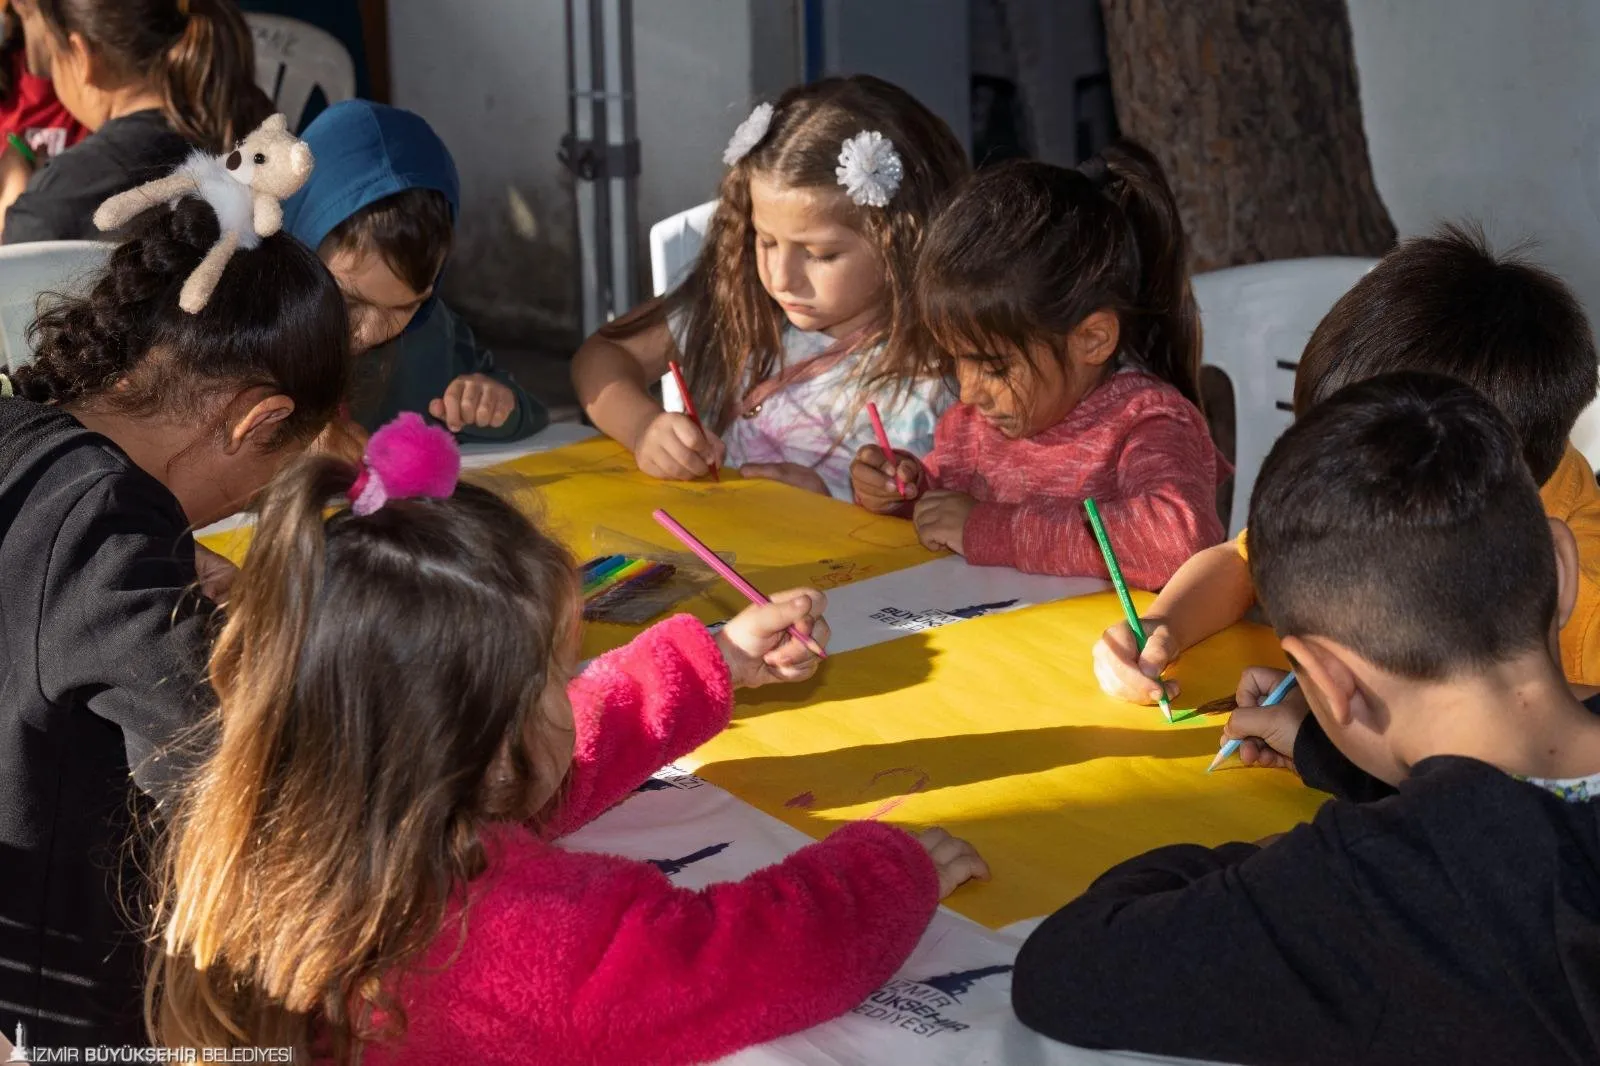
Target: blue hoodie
column 367, row 152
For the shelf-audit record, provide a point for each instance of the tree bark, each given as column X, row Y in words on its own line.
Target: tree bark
column 1252, row 107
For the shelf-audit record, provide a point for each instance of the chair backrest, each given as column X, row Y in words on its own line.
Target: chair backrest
column 293, row 58
column 674, row 243
column 1586, row 434
column 28, row 270
column 1256, row 321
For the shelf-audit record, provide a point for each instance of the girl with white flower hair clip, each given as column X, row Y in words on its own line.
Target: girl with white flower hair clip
column 799, row 310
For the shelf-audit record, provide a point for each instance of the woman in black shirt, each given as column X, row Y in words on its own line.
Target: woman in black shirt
column 137, row 423
column 154, row 79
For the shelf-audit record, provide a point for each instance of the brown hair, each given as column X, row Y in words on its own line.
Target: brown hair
column 198, row 54
column 1446, row 303
column 411, row 230
column 276, row 319
column 377, row 680
column 1026, row 251
column 734, row 330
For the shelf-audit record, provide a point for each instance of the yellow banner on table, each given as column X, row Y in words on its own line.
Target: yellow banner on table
column 995, row 730
column 590, row 494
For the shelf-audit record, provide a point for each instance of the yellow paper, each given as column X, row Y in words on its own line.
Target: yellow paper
column 995, row 730
column 779, row 537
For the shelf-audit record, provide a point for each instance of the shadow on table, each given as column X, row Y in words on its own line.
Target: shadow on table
column 870, row 772
column 859, row 673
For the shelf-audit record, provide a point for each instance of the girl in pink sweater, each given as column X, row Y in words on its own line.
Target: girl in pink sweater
column 365, row 865
column 1060, row 300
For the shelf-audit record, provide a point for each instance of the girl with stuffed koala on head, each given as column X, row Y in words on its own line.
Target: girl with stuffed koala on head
column 138, row 420
column 798, row 311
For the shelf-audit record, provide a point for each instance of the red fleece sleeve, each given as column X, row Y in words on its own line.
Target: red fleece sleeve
column 1163, row 511
column 639, row 707
column 699, row 975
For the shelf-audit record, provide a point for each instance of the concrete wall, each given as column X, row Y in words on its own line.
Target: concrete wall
column 491, row 77
column 1488, row 110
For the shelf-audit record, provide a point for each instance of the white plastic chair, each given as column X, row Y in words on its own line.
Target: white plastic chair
column 674, row 243
column 1256, row 320
column 1586, row 434
column 293, row 58
column 26, row 271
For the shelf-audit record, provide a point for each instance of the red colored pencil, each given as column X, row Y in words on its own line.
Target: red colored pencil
column 729, row 574
column 688, row 409
column 888, row 451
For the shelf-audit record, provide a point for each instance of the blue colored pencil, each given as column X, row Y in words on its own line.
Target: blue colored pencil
column 1279, row 691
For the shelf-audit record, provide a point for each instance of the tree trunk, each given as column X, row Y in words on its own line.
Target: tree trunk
column 1252, row 108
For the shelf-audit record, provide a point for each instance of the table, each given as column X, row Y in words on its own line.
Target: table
column 990, row 725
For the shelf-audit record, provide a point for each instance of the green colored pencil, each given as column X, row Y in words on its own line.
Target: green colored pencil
column 1122, row 590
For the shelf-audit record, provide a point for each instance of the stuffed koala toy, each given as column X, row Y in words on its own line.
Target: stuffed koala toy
column 246, row 188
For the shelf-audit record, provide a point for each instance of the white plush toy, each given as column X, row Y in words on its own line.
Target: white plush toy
column 246, row 188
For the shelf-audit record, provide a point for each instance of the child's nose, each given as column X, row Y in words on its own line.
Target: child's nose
column 781, row 271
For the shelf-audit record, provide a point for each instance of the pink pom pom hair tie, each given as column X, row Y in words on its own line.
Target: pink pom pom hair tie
column 404, row 460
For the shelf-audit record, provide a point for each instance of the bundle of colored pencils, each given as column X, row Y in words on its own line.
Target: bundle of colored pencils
column 611, row 580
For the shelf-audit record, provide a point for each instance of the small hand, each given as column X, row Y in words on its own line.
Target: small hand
column 474, row 400
column 957, row 861
column 1127, row 674
column 757, row 644
column 941, row 517
column 872, row 479
column 801, row 477
column 673, row 447
column 1268, row 732
column 214, row 573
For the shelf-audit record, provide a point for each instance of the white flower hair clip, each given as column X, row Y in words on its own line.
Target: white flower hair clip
column 869, row 169
column 748, row 135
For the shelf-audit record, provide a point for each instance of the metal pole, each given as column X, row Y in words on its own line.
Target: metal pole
column 622, row 155
column 580, row 125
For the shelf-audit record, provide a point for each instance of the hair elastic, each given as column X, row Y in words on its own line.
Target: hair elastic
column 1096, row 170
column 404, row 460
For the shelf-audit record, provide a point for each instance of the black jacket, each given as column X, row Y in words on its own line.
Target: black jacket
column 101, row 655
column 1456, row 920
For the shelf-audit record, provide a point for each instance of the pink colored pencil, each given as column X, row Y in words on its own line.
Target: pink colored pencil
column 729, row 574
column 688, row 409
column 888, row 450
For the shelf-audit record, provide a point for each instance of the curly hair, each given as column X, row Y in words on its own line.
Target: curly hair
column 734, row 329
column 276, row 320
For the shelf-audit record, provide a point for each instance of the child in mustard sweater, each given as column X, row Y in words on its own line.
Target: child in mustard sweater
column 1446, row 304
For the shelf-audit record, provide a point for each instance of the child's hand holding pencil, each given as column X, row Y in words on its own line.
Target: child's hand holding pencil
column 1268, row 733
column 872, row 478
column 758, row 646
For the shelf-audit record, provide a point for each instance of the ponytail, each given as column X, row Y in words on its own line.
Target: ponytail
column 197, row 53
column 1026, row 251
column 1165, row 325
column 207, row 79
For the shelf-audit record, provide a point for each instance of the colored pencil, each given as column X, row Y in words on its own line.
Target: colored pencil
column 888, row 449
column 1122, row 589
column 688, row 409
column 729, row 574
column 1275, row 697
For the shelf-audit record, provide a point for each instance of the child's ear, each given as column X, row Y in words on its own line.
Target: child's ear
column 1094, row 340
column 257, row 422
column 1326, row 677
column 84, row 61
column 1566, row 570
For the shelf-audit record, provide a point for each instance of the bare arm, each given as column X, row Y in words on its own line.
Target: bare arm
column 1208, row 594
column 613, row 377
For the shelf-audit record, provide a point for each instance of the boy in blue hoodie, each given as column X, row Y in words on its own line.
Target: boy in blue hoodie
column 380, row 209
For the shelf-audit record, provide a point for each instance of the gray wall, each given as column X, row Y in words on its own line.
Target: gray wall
column 1488, row 109
column 490, row 75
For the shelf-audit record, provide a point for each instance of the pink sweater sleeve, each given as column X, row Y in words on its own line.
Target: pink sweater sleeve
column 696, row 975
column 636, row 709
column 1163, row 510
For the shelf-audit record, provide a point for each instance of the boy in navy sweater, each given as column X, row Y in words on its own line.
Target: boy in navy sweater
column 1446, row 907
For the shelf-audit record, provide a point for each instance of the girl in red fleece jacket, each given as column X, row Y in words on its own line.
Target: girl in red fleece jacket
column 1060, row 299
column 365, row 863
